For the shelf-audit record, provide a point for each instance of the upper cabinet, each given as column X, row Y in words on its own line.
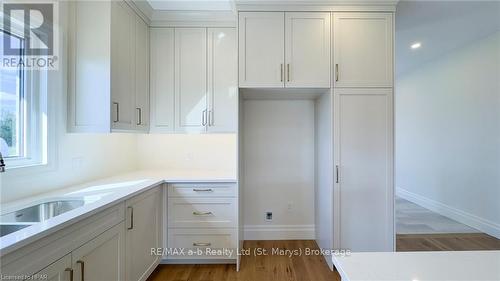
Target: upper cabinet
column 190, row 79
column 261, row 49
column 122, row 65
column 363, row 49
column 307, row 50
column 141, row 75
column 194, row 80
column 279, row 49
column 162, row 79
column 222, row 80
column 108, row 68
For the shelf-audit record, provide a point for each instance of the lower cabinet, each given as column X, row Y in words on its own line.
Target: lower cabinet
column 143, row 223
column 202, row 221
column 102, row 258
column 112, row 245
column 58, row 271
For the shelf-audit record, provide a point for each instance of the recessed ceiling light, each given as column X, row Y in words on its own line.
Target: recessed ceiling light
column 416, row 45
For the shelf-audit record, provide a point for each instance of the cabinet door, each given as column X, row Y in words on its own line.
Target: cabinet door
column 261, row 49
column 363, row 49
column 141, row 75
column 222, row 80
column 191, row 79
column 307, row 49
column 58, row 271
column 102, row 258
column 364, row 155
column 143, row 234
column 162, row 79
column 122, row 66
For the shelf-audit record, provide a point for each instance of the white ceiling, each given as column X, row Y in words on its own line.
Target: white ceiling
column 441, row 26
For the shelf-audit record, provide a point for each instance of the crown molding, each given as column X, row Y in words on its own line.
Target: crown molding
column 193, row 19
column 304, row 5
column 142, row 8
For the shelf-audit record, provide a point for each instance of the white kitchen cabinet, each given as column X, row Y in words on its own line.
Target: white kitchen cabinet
column 102, row 258
column 307, row 50
column 141, row 75
column 107, row 68
column 58, row 271
column 144, row 232
column 162, row 79
column 202, row 216
column 363, row 49
column 290, row 49
column 194, row 84
column 191, row 79
column 364, row 189
column 122, row 66
column 261, row 49
column 222, row 80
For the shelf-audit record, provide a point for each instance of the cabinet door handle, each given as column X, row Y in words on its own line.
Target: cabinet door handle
column 202, row 213
column 82, row 267
column 199, row 244
column 281, row 77
column 204, row 117
column 117, row 117
column 70, row 270
column 288, row 72
column 336, row 173
column 203, row 190
column 131, row 221
column 336, row 72
column 139, row 114
column 210, row 117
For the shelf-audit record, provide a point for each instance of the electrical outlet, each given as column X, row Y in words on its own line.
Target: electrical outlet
column 77, row 163
column 269, row 216
column 289, row 205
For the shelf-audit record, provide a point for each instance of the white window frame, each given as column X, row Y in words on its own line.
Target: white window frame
column 35, row 116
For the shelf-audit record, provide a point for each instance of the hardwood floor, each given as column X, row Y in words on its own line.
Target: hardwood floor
column 256, row 268
column 446, row 242
column 303, row 268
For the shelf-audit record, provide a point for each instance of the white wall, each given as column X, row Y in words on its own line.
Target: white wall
column 216, row 152
column 278, row 155
column 448, row 134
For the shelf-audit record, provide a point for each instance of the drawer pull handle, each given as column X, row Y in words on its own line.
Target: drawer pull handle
column 197, row 244
column 202, row 213
column 203, row 190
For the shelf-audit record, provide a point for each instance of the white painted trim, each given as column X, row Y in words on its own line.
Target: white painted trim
column 310, row 7
column 453, row 213
column 279, row 232
column 193, row 19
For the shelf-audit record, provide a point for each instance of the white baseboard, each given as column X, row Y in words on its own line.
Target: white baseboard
column 471, row 220
column 279, row 232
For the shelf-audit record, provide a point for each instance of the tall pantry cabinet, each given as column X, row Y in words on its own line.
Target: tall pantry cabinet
column 363, row 131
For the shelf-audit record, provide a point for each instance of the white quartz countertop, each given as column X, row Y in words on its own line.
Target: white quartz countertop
column 98, row 195
column 420, row 266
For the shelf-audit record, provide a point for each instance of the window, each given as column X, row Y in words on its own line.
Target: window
column 22, row 112
column 12, row 106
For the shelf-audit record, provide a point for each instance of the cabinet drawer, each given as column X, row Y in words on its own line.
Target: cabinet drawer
column 202, row 190
column 202, row 212
column 194, row 243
